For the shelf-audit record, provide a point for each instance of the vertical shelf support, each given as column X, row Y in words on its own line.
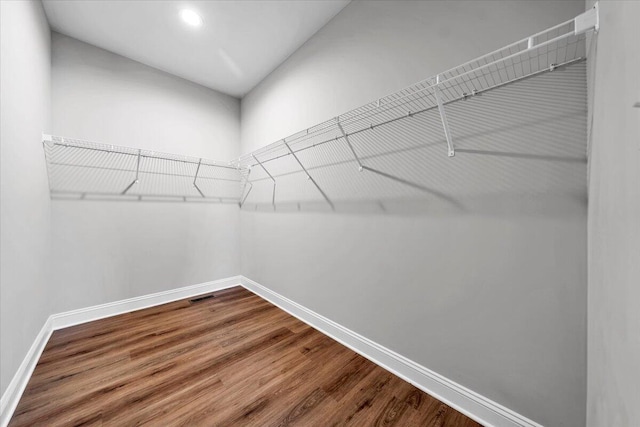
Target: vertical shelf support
column 309, row 177
column 273, row 197
column 244, row 187
column 443, row 116
column 135, row 181
column 196, row 177
column 246, row 195
column 531, row 41
column 346, row 138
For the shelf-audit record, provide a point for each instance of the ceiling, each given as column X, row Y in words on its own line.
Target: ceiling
column 239, row 43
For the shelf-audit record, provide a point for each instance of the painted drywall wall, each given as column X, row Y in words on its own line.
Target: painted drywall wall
column 614, row 220
column 104, row 250
column 25, row 289
column 493, row 298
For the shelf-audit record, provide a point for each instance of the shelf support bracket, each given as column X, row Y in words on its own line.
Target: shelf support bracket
column 587, row 21
column 244, row 187
column 196, row 177
column 443, row 117
column 246, row 195
column 346, row 138
column 273, row 197
column 135, row 181
column 309, row 177
column 47, row 139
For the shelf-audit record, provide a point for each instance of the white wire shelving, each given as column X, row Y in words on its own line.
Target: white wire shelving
column 80, row 169
column 546, row 51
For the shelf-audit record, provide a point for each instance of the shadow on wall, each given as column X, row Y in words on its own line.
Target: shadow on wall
column 520, row 148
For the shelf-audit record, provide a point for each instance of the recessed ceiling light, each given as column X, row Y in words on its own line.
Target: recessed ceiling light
column 190, row 17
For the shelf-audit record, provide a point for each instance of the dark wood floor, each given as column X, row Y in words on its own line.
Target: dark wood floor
column 231, row 360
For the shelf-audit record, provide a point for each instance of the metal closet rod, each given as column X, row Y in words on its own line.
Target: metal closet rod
column 102, row 195
column 149, row 172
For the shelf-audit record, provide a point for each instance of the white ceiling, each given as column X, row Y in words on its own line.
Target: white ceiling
column 238, row 45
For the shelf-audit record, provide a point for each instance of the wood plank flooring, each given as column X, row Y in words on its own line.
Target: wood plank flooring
column 234, row 359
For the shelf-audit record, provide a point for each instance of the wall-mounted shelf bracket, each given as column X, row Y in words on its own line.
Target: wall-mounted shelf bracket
column 135, row 181
column 195, row 185
column 309, row 177
column 586, row 21
column 244, row 187
column 48, row 139
column 346, row 138
column 273, row 197
column 443, row 117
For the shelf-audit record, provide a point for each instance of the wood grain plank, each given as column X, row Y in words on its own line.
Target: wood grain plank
column 234, row 359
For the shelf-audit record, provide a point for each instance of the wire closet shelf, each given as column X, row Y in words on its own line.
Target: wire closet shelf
column 80, row 169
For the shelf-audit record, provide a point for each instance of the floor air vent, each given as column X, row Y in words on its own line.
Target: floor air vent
column 201, row 298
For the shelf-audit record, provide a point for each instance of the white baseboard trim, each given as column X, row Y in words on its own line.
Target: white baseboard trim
column 12, row 394
column 89, row 314
column 470, row 403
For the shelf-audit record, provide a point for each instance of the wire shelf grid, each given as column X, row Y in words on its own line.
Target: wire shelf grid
column 545, row 51
column 84, row 169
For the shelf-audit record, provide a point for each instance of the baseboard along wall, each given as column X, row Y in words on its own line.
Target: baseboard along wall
column 97, row 312
column 12, row 394
column 474, row 405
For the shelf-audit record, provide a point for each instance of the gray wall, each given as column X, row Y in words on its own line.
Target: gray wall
column 105, row 251
column 25, row 290
column 493, row 297
column 614, row 220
